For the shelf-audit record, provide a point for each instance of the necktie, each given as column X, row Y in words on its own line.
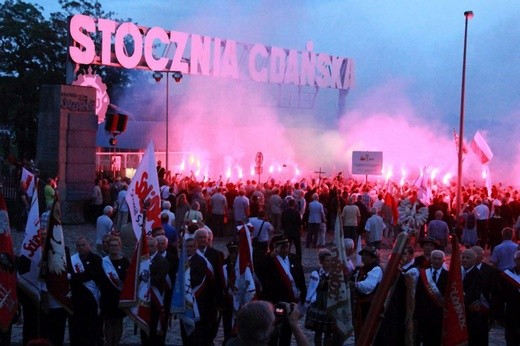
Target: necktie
column 434, row 276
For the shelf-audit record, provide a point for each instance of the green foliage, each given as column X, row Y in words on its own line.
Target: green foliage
column 33, row 52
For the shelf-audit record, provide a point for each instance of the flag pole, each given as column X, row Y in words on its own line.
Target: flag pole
column 369, row 330
column 468, row 15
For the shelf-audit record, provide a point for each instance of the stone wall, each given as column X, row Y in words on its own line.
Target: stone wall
column 66, row 144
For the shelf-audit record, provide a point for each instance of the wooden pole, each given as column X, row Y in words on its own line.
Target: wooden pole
column 390, row 275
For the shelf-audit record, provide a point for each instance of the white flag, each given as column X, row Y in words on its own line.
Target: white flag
column 29, row 179
column 145, row 186
column 31, row 253
column 481, row 148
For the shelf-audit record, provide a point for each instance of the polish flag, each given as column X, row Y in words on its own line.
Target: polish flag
column 481, row 148
column 29, row 179
column 8, row 296
column 145, row 187
column 31, row 254
column 135, row 299
column 454, row 327
column 55, row 261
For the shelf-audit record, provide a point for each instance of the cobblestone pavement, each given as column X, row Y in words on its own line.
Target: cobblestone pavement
column 309, row 259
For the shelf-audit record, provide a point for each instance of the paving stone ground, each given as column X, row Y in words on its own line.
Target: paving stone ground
column 309, row 260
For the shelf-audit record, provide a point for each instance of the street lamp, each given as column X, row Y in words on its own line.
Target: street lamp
column 468, row 15
column 177, row 76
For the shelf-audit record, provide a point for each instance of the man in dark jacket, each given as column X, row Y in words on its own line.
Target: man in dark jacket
column 285, row 282
column 86, row 325
column 291, row 225
column 429, row 300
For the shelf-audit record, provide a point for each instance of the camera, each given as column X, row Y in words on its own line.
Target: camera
column 282, row 310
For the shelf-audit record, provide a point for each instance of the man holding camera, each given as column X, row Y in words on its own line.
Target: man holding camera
column 256, row 321
column 285, row 282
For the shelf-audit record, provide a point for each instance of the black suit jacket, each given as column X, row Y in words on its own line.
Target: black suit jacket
column 173, row 265
column 489, row 277
column 82, row 298
column 425, row 307
column 291, row 222
column 276, row 290
column 216, row 258
column 198, row 271
column 159, row 268
column 473, row 287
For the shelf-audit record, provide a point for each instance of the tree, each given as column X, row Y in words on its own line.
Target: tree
column 33, row 52
column 28, row 54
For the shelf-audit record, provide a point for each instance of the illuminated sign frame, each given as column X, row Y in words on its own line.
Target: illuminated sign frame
column 203, row 55
column 367, row 162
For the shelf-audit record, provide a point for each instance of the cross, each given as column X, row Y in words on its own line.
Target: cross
column 320, row 172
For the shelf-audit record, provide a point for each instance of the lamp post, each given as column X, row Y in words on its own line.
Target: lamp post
column 468, row 15
column 177, row 76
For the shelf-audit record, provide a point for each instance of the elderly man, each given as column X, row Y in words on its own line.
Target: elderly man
column 502, row 256
column 476, row 311
column 122, row 208
column 429, row 299
column 482, row 214
column 285, row 282
column 366, row 282
column 219, row 208
column 104, row 227
column 197, row 275
column 215, row 283
column 510, row 289
column 159, row 268
column 439, row 230
column 86, row 325
column 374, row 227
column 316, row 217
column 166, row 205
column 241, row 208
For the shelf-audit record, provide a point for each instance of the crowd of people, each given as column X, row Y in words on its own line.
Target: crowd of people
column 279, row 215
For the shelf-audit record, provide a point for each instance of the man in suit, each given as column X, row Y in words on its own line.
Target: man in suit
column 86, row 325
column 474, row 302
column 429, row 300
column 489, row 281
column 210, row 316
column 159, row 268
column 285, row 282
column 510, row 293
column 173, row 264
column 291, row 222
column 197, row 275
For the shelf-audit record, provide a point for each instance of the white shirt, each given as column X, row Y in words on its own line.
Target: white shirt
column 482, row 212
column 370, row 283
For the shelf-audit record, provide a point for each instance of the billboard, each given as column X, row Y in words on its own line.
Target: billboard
column 367, row 162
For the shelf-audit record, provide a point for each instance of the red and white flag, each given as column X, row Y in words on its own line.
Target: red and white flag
column 31, row 254
column 55, row 262
column 145, row 186
column 481, row 148
column 8, row 297
column 464, row 146
column 454, row 327
column 30, row 181
column 135, row 297
column 245, row 289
